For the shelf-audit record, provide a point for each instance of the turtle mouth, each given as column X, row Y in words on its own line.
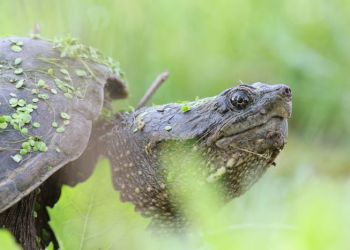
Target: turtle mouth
column 235, row 126
column 273, row 119
column 280, row 114
column 270, row 134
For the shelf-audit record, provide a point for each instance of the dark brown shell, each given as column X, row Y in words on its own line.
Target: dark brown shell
column 83, row 103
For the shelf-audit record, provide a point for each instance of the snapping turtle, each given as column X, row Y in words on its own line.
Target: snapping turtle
column 237, row 135
column 51, row 94
column 49, row 102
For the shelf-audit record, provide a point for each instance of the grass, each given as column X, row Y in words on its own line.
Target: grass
column 300, row 211
column 294, row 206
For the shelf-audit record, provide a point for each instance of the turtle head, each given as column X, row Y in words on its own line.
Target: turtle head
column 257, row 111
column 237, row 135
column 247, row 130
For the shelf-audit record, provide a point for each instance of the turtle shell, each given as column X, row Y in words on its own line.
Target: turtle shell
column 50, row 95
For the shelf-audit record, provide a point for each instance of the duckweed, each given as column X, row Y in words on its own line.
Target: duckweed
column 17, row 158
column 18, row 61
column 18, row 71
column 65, row 116
column 60, row 130
column 36, row 125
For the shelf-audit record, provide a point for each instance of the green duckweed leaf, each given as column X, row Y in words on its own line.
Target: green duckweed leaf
column 65, row 116
column 18, row 61
column 18, row 71
column 50, row 72
column 81, row 73
column 60, row 130
column 24, row 131
column 41, row 84
column 23, row 152
column 13, row 102
column 3, row 125
column 16, row 48
column 64, row 71
column 68, row 95
column 43, row 96
column 168, row 128
column 185, row 108
column 36, row 125
column 17, row 158
column 40, row 146
column 20, row 84
column 21, row 102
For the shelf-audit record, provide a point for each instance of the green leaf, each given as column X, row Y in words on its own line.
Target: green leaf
column 13, row 102
column 31, row 142
column 89, row 215
column 54, row 124
column 26, row 145
column 64, row 71
column 81, row 73
column 36, row 125
column 43, row 96
column 185, row 108
column 60, row 130
column 23, row 152
column 41, row 84
column 41, row 146
column 19, row 84
column 3, row 125
column 18, row 43
column 68, row 95
column 65, row 116
column 16, row 48
column 168, row 128
column 17, row 158
column 18, row 61
column 50, row 72
column 18, row 71
column 50, row 246
column 21, row 102
column 7, row 241
column 24, row 131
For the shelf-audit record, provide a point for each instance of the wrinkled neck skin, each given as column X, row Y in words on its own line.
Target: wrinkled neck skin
column 236, row 144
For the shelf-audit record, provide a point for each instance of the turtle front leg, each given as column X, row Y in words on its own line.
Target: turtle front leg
column 28, row 221
column 20, row 221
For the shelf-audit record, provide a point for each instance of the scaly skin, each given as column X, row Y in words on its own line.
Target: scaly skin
column 238, row 135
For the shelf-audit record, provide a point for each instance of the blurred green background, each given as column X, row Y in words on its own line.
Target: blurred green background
column 209, row 46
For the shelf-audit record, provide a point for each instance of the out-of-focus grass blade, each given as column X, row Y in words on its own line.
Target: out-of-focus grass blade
column 7, row 242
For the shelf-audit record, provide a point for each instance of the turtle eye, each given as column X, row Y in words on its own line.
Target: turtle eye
column 240, row 100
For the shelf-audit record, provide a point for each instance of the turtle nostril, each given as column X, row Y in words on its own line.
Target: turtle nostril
column 286, row 91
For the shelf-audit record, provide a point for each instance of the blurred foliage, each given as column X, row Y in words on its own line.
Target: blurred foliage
column 276, row 214
column 7, row 241
column 86, row 218
column 208, row 47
